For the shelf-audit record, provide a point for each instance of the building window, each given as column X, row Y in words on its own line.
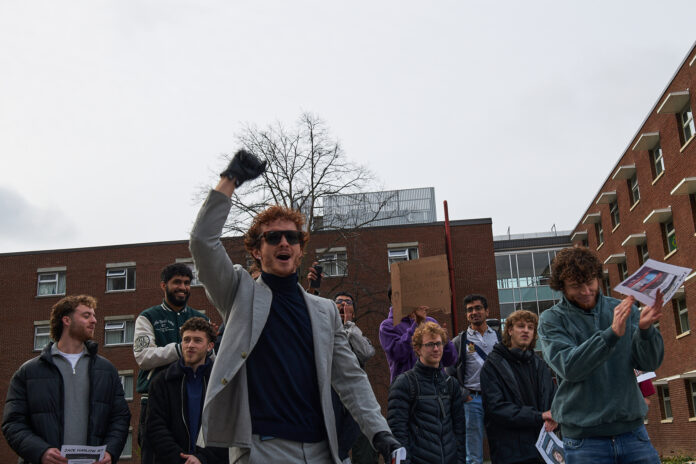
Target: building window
column 692, row 200
column 42, row 336
column 128, row 448
column 623, row 271
column 633, row 190
column 397, row 255
column 691, row 389
column 681, row 315
column 120, row 279
column 118, row 332
column 189, row 264
column 657, row 163
column 686, row 122
column 127, row 382
column 642, row 253
column 51, row 283
column 614, row 212
column 669, row 236
column 334, row 264
column 599, row 231
column 665, row 402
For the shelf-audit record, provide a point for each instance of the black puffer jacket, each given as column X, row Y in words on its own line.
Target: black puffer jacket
column 33, row 417
column 426, row 415
column 167, row 422
column 517, row 388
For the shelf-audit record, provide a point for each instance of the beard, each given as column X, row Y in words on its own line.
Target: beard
column 80, row 333
column 177, row 300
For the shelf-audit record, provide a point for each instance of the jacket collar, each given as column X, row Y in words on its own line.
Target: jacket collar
column 177, row 369
column 91, row 345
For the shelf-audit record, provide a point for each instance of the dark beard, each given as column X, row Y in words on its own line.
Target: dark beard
column 176, row 301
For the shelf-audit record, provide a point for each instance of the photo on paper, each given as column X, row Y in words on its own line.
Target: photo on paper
column 550, row 447
column 651, row 277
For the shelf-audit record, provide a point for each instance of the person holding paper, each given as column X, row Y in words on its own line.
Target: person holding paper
column 594, row 342
column 518, row 394
column 176, row 401
column 68, row 395
column 425, row 409
column 473, row 346
column 396, row 340
column 269, row 397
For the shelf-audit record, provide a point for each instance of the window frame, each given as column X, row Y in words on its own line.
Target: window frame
column 334, row 262
column 643, row 253
column 681, row 315
column 122, row 377
column 125, row 272
column 614, row 214
column 623, row 271
column 395, row 253
column 599, row 233
column 665, row 402
column 633, row 189
column 59, row 278
column 126, row 321
column 668, row 233
column 686, row 124
column 691, row 384
column 656, row 159
column 42, row 325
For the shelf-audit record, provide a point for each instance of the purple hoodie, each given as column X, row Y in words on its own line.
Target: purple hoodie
column 396, row 342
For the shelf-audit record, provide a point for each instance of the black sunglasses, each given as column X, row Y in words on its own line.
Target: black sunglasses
column 273, row 237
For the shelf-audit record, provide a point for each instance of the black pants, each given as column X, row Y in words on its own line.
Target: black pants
column 146, row 454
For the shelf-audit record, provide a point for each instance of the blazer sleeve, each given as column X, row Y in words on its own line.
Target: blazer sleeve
column 158, row 422
column 15, row 422
column 360, row 344
column 215, row 269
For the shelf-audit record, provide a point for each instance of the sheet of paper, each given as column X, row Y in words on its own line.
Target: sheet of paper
column 651, row 276
column 79, row 454
column 398, row 456
column 643, row 376
column 550, row 447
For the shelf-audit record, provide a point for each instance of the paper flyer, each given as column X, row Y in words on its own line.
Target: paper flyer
column 550, row 447
column 651, row 276
column 643, row 376
column 398, row 456
column 79, row 454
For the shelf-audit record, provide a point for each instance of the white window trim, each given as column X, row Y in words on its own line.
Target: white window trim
column 115, row 320
column 119, row 266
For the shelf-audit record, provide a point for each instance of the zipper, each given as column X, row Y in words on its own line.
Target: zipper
column 183, row 414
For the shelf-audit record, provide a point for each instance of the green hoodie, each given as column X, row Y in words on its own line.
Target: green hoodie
column 598, row 393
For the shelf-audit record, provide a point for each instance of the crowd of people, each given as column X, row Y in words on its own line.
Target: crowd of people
column 285, row 380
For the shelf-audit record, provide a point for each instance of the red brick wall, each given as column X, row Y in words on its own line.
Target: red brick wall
column 676, row 437
column 367, row 280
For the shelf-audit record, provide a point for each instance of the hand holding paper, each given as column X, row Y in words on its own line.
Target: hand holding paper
column 651, row 314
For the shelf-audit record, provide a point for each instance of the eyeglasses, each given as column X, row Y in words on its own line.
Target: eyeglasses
column 431, row 345
column 345, row 302
column 471, row 309
column 273, row 237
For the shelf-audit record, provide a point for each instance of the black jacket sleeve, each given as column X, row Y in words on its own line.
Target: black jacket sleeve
column 119, row 419
column 399, row 409
column 158, row 422
column 499, row 408
column 15, row 421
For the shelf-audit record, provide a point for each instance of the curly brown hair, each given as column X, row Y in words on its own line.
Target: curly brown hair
column 575, row 263
column 514, row 318
column 200, row 324
column 427, row 327
column 252, row 239
column 65, row 307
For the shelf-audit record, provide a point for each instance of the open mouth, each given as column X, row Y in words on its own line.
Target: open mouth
column 283, row 256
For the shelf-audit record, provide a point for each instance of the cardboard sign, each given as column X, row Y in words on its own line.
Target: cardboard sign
column 420, row 282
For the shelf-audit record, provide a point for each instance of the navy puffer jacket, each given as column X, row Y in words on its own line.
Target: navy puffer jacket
column 426, row 415
column 33, row 416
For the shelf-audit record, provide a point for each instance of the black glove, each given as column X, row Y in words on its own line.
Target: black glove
column 244, row 166
column 385, row 444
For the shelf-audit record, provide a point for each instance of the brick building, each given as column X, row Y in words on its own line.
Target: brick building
column 125, row 280
column 646, row 208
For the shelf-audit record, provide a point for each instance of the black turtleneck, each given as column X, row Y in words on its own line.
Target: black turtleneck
column 522, row 364
column 281, row 372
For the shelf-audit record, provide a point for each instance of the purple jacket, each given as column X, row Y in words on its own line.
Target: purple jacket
column 396, row 342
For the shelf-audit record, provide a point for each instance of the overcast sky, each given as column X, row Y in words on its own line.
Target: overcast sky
column 114, row 113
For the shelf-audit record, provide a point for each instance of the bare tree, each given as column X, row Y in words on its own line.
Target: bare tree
column 306, row 168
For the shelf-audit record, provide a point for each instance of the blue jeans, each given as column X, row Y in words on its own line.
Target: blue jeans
column 628, row 448
column 474, row 429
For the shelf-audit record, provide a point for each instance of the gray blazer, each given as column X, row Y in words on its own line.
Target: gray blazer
column 244, row 305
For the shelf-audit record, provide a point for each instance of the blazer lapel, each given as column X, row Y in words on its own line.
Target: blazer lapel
column 321, row 337
column 261, row 307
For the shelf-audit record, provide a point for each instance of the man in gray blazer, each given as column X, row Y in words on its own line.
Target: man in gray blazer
column 269, row 396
